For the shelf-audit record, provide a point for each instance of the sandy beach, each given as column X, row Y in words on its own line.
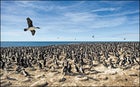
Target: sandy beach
column 85, row 64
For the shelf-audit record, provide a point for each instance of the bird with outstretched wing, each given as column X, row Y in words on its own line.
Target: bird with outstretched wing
column 30, row 26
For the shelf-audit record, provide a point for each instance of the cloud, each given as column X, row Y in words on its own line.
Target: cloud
column 116, row 3
column 125, row 13
column 128, row 34
column 79, row 16
column 35, row 5
column 109, row 22
column 90, row 21
column 65, row 20
column 74, row 5
column 12, row 33
column 104, row 9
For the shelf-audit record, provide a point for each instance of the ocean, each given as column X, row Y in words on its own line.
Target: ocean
column 31, row 43
column 41, row 43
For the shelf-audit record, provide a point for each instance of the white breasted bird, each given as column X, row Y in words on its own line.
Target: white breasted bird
column 30, row 26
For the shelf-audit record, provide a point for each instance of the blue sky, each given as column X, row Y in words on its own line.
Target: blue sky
column 70, row 20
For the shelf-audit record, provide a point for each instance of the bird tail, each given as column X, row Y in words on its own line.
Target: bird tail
column 25, row 29
column 38, row 27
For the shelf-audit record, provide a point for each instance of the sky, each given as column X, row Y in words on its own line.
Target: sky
column 70, row 20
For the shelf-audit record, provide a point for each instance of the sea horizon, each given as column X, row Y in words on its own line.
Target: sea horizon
column 48, row 43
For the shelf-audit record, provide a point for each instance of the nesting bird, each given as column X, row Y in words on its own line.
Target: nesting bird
column 30, row 26
column 76, row 67
column 25, row 73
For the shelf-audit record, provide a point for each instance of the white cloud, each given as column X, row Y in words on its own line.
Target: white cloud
column 56, row 19
column 90, row 20
column 79, row 17
column 120, row 3
column 109, row 22
column 35, row 5
column 76, row 4
column 122, row 13
column 104, row 9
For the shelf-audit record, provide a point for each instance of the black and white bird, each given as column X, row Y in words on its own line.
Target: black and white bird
column 30, row 26
column 25, row 73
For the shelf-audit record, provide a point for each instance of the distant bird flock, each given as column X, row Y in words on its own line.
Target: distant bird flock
column 71, row 56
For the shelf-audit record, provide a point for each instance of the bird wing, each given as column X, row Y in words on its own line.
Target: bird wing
column 29, row 21
column 33, row 32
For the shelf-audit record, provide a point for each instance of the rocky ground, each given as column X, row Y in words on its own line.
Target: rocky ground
column 98, row 76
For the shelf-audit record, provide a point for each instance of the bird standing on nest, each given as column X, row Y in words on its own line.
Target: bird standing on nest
column 30, row 26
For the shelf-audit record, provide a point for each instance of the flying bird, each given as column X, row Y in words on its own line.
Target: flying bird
column 124, row 39
column 30, row 26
